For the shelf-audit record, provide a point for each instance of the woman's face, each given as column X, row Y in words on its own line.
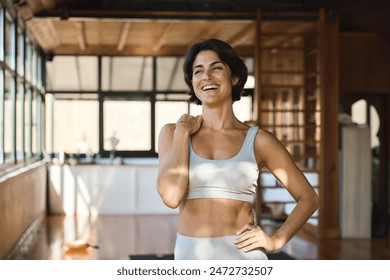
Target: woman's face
column 211, row 78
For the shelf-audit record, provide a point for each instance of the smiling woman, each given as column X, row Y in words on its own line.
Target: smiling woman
column 210, row 163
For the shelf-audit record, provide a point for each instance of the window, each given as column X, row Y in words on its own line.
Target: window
column 28, row 64
column 35, row 124
column 28, row 123
column 80, row 71
column 20, row 57
column 170, row 74
column 34, row 68
column 1, row 33
column 19, row 122
column 9, row 41
column 9, row 120
column 21, row 101
column 127, row 74
column 168, row 112
column 1, row 116
column 75, row 127
column 129, row 123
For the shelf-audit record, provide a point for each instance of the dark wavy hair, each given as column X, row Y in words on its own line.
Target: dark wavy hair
column 227, row 55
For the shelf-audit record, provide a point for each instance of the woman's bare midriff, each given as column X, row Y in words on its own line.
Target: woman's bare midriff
column 213, row 217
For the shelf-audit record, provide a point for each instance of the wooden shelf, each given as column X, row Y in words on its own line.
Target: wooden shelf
column 290, row 111
column 289, row 86
column 291, row 125
column 287, row 72
column 281, row 187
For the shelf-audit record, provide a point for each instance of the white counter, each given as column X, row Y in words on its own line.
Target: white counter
column 105, row 189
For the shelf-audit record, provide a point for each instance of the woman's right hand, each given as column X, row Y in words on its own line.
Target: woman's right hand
column 192, row 123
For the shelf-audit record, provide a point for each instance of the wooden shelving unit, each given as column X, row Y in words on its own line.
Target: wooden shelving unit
column 289, row 105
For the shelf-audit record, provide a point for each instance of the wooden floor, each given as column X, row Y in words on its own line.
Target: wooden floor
column 118, row 236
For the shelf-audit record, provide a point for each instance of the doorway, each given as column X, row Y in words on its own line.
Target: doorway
column 372, row 110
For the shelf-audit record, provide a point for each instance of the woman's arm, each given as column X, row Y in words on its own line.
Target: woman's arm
column 173, row 150
column 273, row 155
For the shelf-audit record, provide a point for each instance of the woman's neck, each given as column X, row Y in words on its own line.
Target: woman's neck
column 219, row 118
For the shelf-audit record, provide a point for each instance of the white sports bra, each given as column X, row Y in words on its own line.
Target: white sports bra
column 233, row 178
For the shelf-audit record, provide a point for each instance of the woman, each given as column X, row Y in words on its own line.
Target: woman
column 209, row 166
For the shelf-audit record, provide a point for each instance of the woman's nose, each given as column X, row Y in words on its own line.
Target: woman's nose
column 207, row 75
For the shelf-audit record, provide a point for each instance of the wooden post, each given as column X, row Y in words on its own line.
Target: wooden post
column 329, row 184
column 257, row 70
column 257, row 99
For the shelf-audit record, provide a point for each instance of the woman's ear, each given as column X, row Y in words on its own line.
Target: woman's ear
column 235, row 81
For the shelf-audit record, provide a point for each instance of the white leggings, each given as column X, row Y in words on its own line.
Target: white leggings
column 213, row 248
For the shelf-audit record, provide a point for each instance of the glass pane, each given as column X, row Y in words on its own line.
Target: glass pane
column 127, row 73
column 40, row 125
column 243, row 108
column 34, row 127
column 75, row 125
column 20, row 52
column 195, row 110
column 170, row 74
column 8, row 118
column 28, row 60
column 168, row 112
column 27, row 122
column 34, row 67
column 19, row 122
column 249, row 62
column 39, row 73
column 1, row 116
column 49, row 101
column 250, row 82
column 81, row 73
column 129, row 123
column 1, row 32
column 9, row 41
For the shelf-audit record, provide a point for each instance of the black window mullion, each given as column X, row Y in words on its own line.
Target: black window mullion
column 153, row 106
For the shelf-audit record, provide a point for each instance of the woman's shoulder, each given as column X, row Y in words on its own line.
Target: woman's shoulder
column 265, row 138
column 167, row 129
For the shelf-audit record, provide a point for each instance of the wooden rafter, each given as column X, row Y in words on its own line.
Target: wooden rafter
column 243, row 36
column 163, row 36
column 50, row 4
column 123, row 35
column 36, row 6
column 80, row 31
column 209, row 31
column 45, row 32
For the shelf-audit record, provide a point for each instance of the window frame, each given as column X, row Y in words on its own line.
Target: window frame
column 19, row 117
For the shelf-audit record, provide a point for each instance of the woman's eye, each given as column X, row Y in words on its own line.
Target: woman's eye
column 197, row 72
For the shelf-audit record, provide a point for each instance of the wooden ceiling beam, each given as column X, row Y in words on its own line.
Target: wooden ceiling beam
column 124, row 34
column 243, row 36
column 36, row 6
column 45, row 33
column 163, row 36
column 80, row 33
column 209, row 31
column 50, row 4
